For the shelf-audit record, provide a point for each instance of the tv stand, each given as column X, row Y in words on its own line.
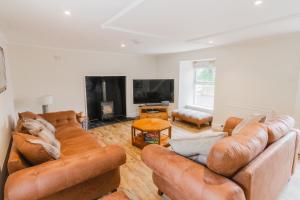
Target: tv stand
column 154, row 111
column 153, row 104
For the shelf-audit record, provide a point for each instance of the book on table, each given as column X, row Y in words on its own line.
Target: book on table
column 151, row 138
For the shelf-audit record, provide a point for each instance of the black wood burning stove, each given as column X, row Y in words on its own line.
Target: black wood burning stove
column 105, row 98
column 107, row 107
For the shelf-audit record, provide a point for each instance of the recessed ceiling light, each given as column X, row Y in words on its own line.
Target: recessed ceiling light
column 67, row 12
column 258, row 2
column 123, row 45
column 211, row 42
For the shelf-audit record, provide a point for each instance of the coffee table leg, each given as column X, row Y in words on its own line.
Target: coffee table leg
column 158, row 132
column 170, row 132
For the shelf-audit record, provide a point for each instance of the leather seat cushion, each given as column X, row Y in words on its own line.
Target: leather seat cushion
column 230, row 154
column 79, row 144
column 279, row 127
column 69, row 131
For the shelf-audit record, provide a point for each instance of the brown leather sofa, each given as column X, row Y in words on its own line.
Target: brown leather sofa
column 255, row 165
column 85, row 171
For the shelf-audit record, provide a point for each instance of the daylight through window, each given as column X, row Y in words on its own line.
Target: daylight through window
column 204, row 83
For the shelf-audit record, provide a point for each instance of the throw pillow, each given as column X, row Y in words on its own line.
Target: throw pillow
column 51, row 150
column 278, row 127
column 47, row 124
column 248, row 120
column 36, row 128
column 33, row 126
column 202, row 159
column 33, row 152
column 232, row 153
column 20, row 128
column 195, row 146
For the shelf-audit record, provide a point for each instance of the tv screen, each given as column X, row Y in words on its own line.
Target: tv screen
column 153, row 91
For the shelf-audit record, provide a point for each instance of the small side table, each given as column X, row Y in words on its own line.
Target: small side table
column 150, row 126
column 82, row 119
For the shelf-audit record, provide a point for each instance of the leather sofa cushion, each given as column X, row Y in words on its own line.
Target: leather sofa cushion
column 75, row 140
column 279, row 127
column 230, row 154
column 60, row 118
column 79, row 144
column 231, row 123
column 34, row 153
column 69, row 131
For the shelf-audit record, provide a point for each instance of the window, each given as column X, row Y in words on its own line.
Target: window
column 204, row 83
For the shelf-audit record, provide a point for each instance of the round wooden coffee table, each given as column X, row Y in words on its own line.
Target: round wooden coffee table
column 150, row 132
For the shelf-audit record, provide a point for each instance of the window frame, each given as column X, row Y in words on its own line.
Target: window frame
column 195, row 82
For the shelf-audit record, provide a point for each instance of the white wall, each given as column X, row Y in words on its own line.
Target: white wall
column 186, row 80
column 38, row 71
column 6, row 109
column 254, row 76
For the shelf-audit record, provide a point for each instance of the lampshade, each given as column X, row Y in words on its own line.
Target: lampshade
column 46, row 100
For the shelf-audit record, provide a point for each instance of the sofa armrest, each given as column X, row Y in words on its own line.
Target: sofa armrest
column 61, row 118
column 192, row 180
column 266, row 175
column 231, row 123
column 48, row 178
column 15, row 161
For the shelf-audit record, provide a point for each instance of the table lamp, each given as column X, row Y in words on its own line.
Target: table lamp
column 46, row 101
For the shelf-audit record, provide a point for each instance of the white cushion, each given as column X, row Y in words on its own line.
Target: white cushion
column 196, row 146
column 36, row 128
column 33, row 126
column 248, row 120
column 47, row 124
column 50, row 149
column 202, row 159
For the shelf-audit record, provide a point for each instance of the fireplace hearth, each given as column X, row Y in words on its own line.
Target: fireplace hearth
column 105, row 99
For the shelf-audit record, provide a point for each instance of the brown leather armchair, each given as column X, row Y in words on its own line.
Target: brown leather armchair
column 85, row 171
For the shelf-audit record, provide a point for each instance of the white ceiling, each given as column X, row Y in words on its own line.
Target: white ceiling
column 145, row 26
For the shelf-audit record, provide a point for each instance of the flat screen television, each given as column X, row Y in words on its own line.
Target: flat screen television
column 153, row 91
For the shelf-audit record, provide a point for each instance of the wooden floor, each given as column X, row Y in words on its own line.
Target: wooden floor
column 136, row 177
